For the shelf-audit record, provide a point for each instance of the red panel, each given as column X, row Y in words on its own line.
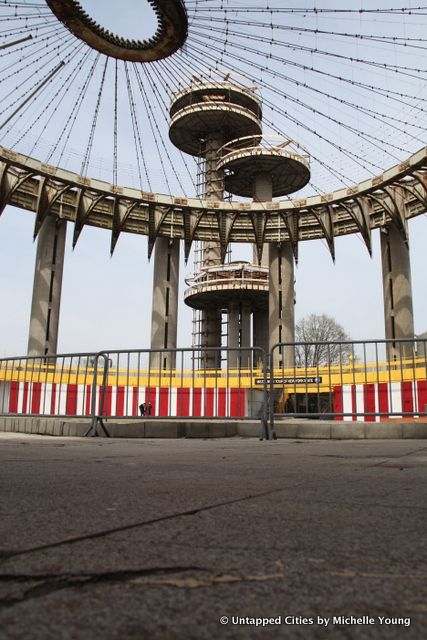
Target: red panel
column 237, row 403
column 422, row 395
column 197, row 402
column 53, row 399
column 88, row 398
column 105, row 398
column 353, row 402
column 13, row 397
column 369, row 401
column 209, row 401
column 25, row 398
column 407, row 397
column 183, row 402
column 163, row 401
column 135, row 408
column 242, row 398
column 150, row 396
column 383, row 399
column 71, row 403
column 120, row 401
column 338, row 403
column 234, row 402
column 36, row 397
column 222, row 402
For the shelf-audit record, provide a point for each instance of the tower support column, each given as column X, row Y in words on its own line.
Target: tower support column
column 211, row 327
column 397, row 289
column 233, row 334
column 164, row 314
column 281, row 302
column 46, row 301
column 263, row 192
column 260, row 333
column 214, row 190
column 245, row 333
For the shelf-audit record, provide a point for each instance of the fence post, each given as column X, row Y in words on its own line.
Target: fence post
column 271, row 435
column 266, row 429
column 97, row 416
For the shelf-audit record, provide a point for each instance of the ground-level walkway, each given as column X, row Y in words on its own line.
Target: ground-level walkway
column 169, row 539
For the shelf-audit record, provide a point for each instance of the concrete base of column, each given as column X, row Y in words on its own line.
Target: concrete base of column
column 245, row 335
column 211, row 326
column 46, row 302
column 233, row 335
column 260, row 334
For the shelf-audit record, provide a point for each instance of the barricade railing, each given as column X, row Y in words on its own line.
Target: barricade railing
column 164, row 383
column 374, row 380
column 228, row 384
column 70, row 384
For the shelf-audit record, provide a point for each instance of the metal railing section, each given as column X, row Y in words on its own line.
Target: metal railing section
column 71, row 384
column 145, row 383
column 375, row 380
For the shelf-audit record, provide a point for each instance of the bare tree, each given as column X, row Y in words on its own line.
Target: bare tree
column 324, row 342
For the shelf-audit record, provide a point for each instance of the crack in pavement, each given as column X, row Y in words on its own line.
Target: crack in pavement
column 6, row 555
column 50, row 583
column 350, row 573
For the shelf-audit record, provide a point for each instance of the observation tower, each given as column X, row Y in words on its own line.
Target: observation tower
column 205, row 116
column 264, row 168
column 220, row 122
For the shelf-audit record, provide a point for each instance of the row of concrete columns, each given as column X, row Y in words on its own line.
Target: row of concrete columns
column 44, row 323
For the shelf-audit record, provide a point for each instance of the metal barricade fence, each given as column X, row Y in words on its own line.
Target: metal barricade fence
column 374, row 380
column 169, row 383
column 355, row 380
column 53, row 385
column 163, row 383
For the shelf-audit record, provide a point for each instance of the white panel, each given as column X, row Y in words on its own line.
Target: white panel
column 173, row 393
column 395, row 398
column 360, row 405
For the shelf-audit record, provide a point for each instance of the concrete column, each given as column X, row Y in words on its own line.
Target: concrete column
column 260, row 332
column 46, row 302
column 233, row 335
column 281, row 302
column 263, row 192
column 214, row 190
column 245, row 333
column 164, row 314
column 397, row 290
column 211, row 323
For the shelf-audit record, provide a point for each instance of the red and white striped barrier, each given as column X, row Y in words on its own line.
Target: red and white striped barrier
column 40, row 398
column 388, row 398
column 37, row 398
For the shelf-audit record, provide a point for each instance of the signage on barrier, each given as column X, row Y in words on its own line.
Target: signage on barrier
column 312, row 380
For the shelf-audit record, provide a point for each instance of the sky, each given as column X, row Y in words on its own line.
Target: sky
column 106, row 302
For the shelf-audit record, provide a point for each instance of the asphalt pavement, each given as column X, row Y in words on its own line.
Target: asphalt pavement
column 229, row 538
